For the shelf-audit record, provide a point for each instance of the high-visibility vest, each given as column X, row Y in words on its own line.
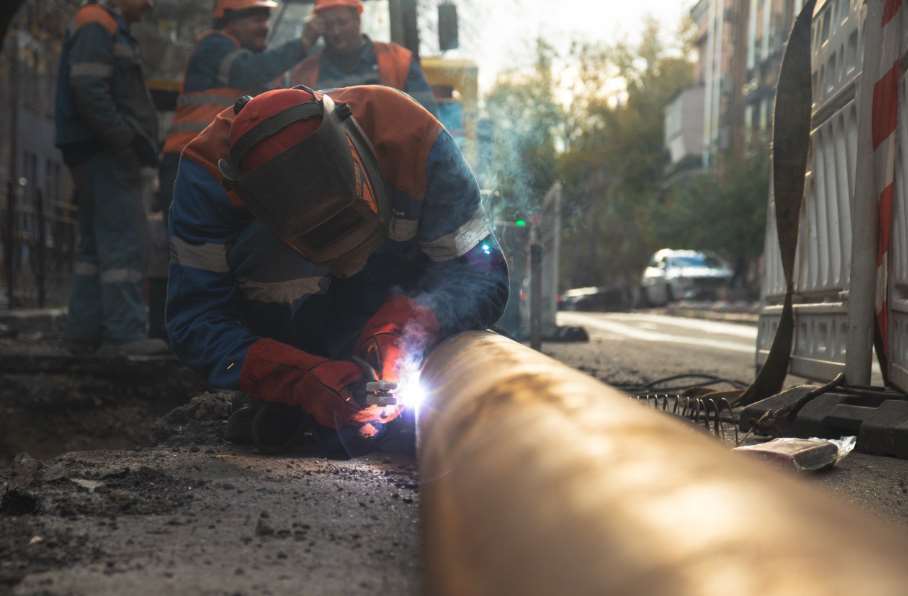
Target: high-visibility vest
column 196, row 110
column 393, row 66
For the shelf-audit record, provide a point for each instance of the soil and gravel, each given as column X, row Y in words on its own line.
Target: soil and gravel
column 114, row 479
column 130, row 487
column 198, row 515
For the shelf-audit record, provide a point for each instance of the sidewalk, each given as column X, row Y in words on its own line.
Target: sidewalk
column 745, row 313
column 30, row 321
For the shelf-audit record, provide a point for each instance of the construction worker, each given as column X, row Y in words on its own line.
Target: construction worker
column 310, row 228
column 228, row 62
column 107, row 130
column 351, row 58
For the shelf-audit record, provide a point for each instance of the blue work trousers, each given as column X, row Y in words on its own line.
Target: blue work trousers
column 106, row 304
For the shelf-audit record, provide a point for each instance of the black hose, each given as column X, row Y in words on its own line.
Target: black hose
column 700, row 381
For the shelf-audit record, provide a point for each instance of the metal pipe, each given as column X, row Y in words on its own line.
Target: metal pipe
column 13, row 173
column 41, row 273
column 9, row 248
column 536, row 296
column 537, row 479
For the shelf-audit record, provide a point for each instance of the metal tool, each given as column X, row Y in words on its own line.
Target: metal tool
column 378, row 392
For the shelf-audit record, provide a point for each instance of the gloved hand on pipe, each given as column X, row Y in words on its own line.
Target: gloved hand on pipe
column 278, row 373
column 401, row 328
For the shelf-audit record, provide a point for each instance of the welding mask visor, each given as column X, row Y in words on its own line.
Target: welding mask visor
column 324, row 196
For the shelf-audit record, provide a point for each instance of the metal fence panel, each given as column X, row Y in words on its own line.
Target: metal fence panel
column 823, row 261
column 825, row 239
column 898, row 283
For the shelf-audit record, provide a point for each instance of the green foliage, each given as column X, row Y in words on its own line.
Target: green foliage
column 608, row 150
column 725, row 214
column 615, row 157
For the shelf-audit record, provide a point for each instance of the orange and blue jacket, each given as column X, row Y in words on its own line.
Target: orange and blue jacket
column 232, row 282
column 220, row 71
column 102, row 103
column 376, row 64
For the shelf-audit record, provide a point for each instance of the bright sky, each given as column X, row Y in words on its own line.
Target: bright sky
column 507, row 28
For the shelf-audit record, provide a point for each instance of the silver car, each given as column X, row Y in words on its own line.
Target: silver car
column 684, row 275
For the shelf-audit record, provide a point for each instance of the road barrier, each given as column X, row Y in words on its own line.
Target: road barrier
column 537, row 479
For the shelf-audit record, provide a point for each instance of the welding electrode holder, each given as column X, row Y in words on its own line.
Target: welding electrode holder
column 376, row 391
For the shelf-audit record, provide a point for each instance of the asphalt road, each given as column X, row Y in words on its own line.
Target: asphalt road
column 631, row 348
column 638, row 348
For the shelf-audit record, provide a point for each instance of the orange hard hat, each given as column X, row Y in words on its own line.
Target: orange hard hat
column 325, row 4
column 222, row 6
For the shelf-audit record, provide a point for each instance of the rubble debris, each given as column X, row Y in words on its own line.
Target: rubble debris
column 202, row 421
column 802, row 455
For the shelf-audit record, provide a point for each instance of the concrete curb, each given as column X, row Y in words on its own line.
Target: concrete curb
column 712, row 315
column 31, row 320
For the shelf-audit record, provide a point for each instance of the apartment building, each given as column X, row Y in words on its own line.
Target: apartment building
column 738, row 52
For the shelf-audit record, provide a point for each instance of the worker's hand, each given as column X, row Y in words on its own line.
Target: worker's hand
column 401, row 329
column 276, row 372
column 362, row 435
column 313, row 29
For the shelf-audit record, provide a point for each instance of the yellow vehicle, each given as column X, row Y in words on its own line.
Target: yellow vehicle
column 455, row 83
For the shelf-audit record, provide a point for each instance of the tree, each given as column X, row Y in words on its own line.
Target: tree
column 725, row 214
column 615, row 158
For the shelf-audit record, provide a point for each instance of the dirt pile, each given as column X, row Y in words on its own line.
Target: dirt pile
column 200, row 422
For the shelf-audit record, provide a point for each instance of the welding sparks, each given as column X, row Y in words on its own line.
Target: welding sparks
column 411, row 393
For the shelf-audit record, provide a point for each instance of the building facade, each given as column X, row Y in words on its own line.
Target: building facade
column 738, row 52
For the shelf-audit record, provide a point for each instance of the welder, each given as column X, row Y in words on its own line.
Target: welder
column 310, row 229
column 228, row 62
column 107, row 130
column 352, row 58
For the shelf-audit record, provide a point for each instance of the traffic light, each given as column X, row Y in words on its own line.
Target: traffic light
column 520, row 222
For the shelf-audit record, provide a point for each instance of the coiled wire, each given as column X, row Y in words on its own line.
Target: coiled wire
column 686, row 397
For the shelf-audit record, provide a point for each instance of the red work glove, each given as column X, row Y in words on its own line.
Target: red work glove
column 276, row 372
column 401, row 328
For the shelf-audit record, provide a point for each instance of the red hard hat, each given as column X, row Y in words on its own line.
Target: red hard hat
column 222, row 6
column 263, row 107
column 325, row 4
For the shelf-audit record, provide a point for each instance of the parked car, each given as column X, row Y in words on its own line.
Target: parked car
column 594, row 298
column 684, row 275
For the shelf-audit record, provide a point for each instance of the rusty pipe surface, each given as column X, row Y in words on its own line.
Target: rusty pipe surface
column 537, row 479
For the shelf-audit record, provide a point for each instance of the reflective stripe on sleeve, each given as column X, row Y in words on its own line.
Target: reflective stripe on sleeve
column 460, row 241
column 116, row 276
column 227, row 64
column 207, row 257
column 91, row 69
column 283, row 292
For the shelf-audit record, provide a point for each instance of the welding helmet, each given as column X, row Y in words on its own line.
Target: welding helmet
column 301, row 164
